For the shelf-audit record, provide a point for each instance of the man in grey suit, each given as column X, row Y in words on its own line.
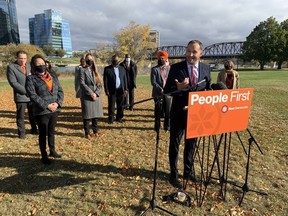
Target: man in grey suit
column 184, row 76
column 16, row 75
column 158, row 77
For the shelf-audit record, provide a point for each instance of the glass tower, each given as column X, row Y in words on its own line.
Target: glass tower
column 9, row 31
column 49, row 28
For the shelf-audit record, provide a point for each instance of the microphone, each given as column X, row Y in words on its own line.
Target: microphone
column 219, row 86
column 202, row 81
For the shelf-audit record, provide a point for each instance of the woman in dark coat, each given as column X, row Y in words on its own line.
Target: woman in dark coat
column 47, row 96
column 91, row 100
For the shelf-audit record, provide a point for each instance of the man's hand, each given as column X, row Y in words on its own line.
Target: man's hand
column 182, row 85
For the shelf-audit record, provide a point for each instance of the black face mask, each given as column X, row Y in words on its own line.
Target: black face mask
column 89, row 62
column 115, row 62
column 40, row 68
column 161, row 62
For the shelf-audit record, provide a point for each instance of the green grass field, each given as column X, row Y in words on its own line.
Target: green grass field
column 113, row 175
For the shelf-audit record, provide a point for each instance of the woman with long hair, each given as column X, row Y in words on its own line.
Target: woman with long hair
column 91, row 100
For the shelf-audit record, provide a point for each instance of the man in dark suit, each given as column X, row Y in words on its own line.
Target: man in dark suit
column 158, row 77
column 16, row 75
column 131, row 73
column 115, row 85
column 184, row 76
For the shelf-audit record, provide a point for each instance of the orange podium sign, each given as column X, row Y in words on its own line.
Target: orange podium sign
column 218, row 111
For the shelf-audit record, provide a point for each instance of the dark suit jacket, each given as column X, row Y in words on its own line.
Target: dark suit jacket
column 41, row 96
column 17, row 80
column 179, row 71
column 157, row 81
column 110, row 80
column 131, row 74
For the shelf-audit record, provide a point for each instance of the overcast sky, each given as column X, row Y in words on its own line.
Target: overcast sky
column 178, row 21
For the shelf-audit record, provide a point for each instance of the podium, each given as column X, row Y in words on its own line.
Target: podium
column 217, row 118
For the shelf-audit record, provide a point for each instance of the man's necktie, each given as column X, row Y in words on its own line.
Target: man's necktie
column 193, row 75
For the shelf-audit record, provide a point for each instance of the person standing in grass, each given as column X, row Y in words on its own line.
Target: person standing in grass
column 229, row 76
column 184, row 76
column 131, row 74
column 77, row 76
column 91, row 99
column 16, row 76
column 47, row 96
column 159, row 75
column 116, row 88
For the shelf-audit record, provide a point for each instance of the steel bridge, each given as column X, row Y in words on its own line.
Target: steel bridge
column 214, row 51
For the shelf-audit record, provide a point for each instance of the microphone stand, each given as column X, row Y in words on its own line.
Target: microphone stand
column 152, row 203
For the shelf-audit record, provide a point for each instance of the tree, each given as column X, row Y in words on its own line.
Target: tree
column 136, row 40
column 49, row 50
column 60, row 52
column 9, row 51
column 283, row 53
column 264, row 42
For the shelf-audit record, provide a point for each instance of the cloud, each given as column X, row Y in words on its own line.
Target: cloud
column 178, row 22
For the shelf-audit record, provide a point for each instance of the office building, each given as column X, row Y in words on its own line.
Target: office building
column 156, row 37
column 49, row 28
column 9, row 31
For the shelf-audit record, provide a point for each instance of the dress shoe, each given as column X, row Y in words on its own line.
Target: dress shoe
column 192, row 177
column 175, row 183
column 119, row 120
column 46, row 161
column 22, row 136
column 96, row 135
column 110, row 121
column 88, row 136
column 54, row 154
column 131, row 108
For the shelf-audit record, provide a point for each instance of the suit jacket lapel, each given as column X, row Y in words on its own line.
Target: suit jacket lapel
column 89, row 75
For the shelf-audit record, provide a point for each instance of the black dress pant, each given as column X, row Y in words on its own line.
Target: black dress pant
column 176, row 134
column 86, row 123
column 20, row 113
column 117, row 98
column 46, row 124
column 130, row 97
column 162, row 109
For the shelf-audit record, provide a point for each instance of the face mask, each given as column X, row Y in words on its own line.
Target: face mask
column 127, row 59
column 115, row 62
column 89, row 62
column 40, row 68
column 161, row 62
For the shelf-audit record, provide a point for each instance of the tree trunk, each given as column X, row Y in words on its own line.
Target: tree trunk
column 279, row 64
column 262, row 66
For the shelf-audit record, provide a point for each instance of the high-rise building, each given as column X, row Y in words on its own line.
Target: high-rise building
column 156, row 37
column 9, row 31
column 49, row 28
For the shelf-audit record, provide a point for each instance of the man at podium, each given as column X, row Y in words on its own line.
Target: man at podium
column 185, row 76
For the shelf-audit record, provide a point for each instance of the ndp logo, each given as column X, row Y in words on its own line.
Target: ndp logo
column 221, row 97
column 218, row 111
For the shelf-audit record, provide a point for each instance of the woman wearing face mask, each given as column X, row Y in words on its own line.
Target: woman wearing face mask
column 91, row 100
column 46, row 93
column 229, row 76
